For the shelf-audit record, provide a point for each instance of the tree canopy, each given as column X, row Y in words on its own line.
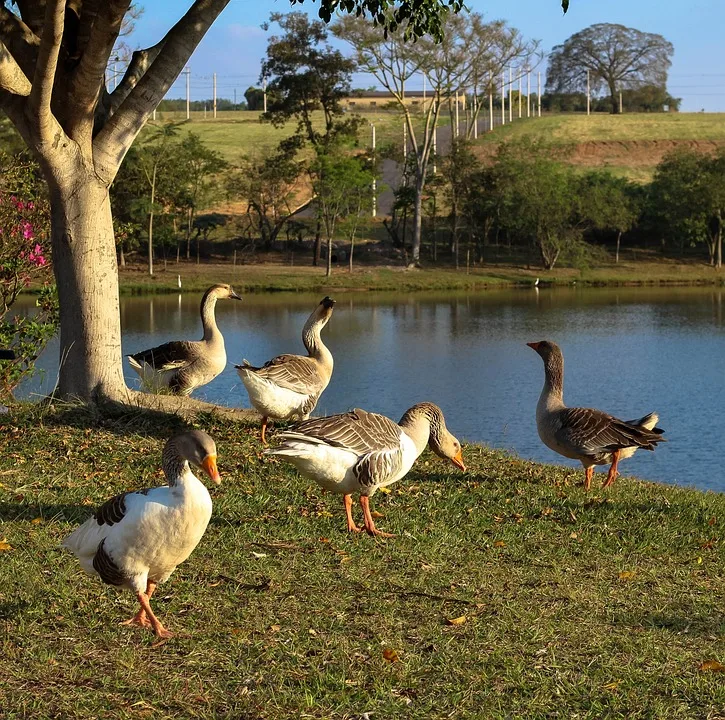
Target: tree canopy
column 617, row 58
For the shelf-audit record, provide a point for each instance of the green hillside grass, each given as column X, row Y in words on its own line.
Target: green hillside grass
column 508, row 592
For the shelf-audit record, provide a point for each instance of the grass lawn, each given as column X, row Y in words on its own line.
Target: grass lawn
column 567, row 129
column 507, row 593
column 277, row 277
column 238, row 133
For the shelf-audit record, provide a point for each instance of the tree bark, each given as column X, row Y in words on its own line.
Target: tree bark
column 151, row 223
column 418, row 215
column 90, row 327
column 616, row 255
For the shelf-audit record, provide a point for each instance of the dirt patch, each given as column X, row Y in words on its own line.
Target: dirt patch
column 635, row 153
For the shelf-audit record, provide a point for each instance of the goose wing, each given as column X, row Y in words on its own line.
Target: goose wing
column 593, row 432
column 169, row 356
column 292, row 372
column 357, row 430
column 375, row 439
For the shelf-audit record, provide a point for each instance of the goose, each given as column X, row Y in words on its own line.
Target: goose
column 591, row 436
column 360, row 451
column 137, row 539
column 289, row 386
column 181, row 366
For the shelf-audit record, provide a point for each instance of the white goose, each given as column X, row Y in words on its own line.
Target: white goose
column 289, row 386
column 181, row 366
column 591, row 436
column 137, row 539
column 360, row 452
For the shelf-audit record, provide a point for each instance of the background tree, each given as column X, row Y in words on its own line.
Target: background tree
column 197, row 164
column 255, row 98
column 340, row 181
column 617, row 58
column 269, row 184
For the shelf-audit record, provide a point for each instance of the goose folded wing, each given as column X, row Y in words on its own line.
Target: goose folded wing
column 169, row 356
column 292, row 372
column 358, row 431
column 593, row 432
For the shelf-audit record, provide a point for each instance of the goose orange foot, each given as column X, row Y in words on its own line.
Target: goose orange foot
column 351, row 526
column 613, row 471
column 369, row 522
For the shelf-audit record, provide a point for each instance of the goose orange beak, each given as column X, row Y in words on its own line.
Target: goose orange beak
column 534, row 346
column 210, row 468
column 457, row 460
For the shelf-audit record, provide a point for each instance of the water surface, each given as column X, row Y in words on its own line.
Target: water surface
column 627, row 351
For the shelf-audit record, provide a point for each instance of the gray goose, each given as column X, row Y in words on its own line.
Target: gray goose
column 137, row 539
column 591, row 436
column 289, row 386
column 359, row 451
column 181, row 366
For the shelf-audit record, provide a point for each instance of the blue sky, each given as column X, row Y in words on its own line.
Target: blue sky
column 234, row 46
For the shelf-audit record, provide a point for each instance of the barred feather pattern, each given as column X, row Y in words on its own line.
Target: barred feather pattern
column 108, row 571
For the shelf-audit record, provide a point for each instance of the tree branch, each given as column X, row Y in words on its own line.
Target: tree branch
column 12, row 78
column 33, row 14
column 19, row 39
column 88, row 78
column 141, row 61
column 44, row 77
column 113, row 141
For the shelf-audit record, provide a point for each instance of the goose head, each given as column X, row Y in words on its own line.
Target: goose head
column 549, row 351
column 323, row 312
column 224, row 292
column 440, row 440
column 194, row 447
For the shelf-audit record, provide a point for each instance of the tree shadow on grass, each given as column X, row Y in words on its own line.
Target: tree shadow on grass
column 11, row 609
column 679, row 619
column 22, row 511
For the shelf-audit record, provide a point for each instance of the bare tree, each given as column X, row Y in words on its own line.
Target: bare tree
column 617, row 58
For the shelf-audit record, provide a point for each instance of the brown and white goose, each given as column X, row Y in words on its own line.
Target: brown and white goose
column 136, row 540
column 289, row 386
column 591, row 436
column 359, row 451
column 181, row 366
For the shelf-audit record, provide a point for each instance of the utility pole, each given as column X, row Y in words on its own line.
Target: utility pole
column 503, row 98
column 621, row 108
column 511, row 94
column 538, row 94
column 423, row 92
column 235, row 97
column 528, row 93
column 375, row 183
column 490, row 104
column 474, row 113
column 264, row 89
column 214, row 94
column 588, row 97
column 405, row 140
column 187, row 72
column 520, row 81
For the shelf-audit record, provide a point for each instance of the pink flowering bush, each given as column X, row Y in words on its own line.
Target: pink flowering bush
column 24, row 262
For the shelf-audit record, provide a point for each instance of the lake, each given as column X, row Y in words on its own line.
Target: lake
column 626, row 350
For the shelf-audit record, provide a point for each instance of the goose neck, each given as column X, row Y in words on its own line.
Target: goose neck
column 312, row 339
column 208, row 316
column 552, row 395
column 417, row 426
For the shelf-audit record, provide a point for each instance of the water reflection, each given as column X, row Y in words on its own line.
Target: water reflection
column 627, row 350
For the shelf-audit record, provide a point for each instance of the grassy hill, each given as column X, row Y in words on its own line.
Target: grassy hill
column 630, row 144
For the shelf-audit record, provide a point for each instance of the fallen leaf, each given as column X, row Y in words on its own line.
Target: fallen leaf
column 376, row 514
column 324, row 540
column 5, row 545
column 499, row 544
column 385, row 490
column 712, row 521
column 627, row 574
column 611, row 685
column 573, row 536
column 699, row 561
column 258, row 555
column 711, row 666
column 457, row 621
column 275, row 628
column 390, row 655
column 36, row 521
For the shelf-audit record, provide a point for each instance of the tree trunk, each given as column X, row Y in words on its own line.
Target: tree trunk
column 86, row 273
column 151, row 224
column 418, row 216
column 188, row 235
column 121, row 256
column 328, row 270
column 613, row 98
column 718, row 261
column 616, row 255
column 318, row 246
